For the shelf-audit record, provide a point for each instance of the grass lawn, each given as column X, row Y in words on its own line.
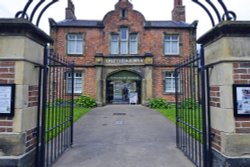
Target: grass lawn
column 79, row 112
column 168, row 113
column 186, row 116
column 58, row 120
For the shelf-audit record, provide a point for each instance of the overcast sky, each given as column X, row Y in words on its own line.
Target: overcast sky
column 151, row 9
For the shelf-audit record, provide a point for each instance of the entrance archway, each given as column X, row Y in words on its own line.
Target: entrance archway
column 123, row 87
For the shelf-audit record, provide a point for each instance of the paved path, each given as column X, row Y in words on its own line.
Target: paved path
column 140, row 138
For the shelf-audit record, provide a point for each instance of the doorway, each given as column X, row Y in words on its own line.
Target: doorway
column 123, row 88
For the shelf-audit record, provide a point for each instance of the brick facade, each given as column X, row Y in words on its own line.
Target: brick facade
column 241, row 74
column 215, row 96
column 97, row 35
column 7, row 76
column 30, row 140
column 33, row 96
column 7, row 72
column 6, row 125
column 242, row 125
column 216, row 139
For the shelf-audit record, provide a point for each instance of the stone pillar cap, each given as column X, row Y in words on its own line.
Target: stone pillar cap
column 226, row 28
column 24, row 27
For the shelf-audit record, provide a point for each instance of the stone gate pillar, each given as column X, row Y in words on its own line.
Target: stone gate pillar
column 21, row 52
column 227, row 53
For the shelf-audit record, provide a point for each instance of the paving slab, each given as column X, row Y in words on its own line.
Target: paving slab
column 123, row 136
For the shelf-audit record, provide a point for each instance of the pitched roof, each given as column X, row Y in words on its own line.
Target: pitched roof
column 99, row 24
column 167, row 24
column 78, row 23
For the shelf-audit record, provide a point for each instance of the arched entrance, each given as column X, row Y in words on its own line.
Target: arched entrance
column 123, row 87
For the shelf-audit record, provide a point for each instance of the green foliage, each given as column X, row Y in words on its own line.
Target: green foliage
column 158, row 103
column 184, row 116
column 189, row 103
column 85, row 101
column 58, row 120
column 169, row 113
column 79, row 112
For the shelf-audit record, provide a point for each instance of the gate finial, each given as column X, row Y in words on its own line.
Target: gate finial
column 227, row 15
column 23, row 13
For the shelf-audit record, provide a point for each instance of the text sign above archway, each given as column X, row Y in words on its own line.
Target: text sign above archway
column 124, row 75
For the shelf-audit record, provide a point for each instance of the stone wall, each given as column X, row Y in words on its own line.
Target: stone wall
column 21, row 52
column 227, row 54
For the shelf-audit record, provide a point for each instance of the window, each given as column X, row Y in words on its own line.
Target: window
column 78, row 80
column 133, row 45
column 115, row 44
column 124, row 43
column 171, row 45
column 75, row 43
column 124, row 13
column 124, row 40
column 170, row 82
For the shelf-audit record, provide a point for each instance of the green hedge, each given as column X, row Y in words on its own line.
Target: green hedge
column 86, row 102
column 158, row 103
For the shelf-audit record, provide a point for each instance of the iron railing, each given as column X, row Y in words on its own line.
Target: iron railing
column 56, row 120
column 192, row 111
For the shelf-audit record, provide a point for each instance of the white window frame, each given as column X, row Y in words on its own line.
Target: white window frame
column 76, row 41
column 114, row 46
column 133, row 43
column 124, row 40
column 125, row 44
column 172, row 80
column 78, row 82
column 171, row 41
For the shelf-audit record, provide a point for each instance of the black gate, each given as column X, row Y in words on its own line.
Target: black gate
column 56, row 116
column 192, row 111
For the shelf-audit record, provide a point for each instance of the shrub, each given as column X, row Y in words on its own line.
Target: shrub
column 158, row 103
column 85, row 101
column 189, row 103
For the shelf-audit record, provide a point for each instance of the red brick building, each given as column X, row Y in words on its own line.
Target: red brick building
column 124, row 55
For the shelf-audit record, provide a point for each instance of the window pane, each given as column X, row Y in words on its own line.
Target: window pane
column 175, row 47
column 171, row 43
column 114, row 48
column 167, row 48
column 77, row 82
column 167, row 38
column 133, row 37
column 79, row 48
column 75, row 44
column 114, row 38
column 175, row 37
column 124, row 33
column 170, row 82
column 79, row 37
column 133, row 45
column 124, row 48
column 78, row 74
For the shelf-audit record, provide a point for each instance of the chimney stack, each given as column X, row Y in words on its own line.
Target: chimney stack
column 70, row 11
column 178, row 13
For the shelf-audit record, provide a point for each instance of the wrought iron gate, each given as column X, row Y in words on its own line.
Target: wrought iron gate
column 192, row 111
column 56, row 116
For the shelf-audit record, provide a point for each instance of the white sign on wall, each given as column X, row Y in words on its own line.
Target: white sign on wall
column 7, row 98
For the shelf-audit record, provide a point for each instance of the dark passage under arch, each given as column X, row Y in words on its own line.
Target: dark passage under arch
column 123, row 87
